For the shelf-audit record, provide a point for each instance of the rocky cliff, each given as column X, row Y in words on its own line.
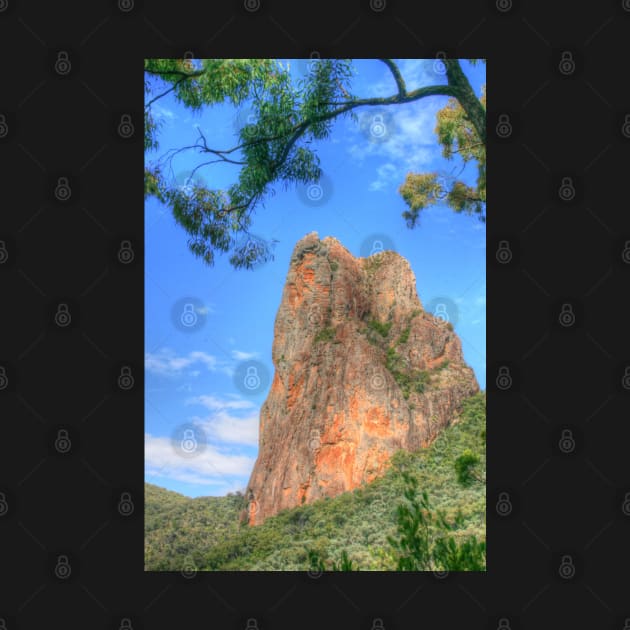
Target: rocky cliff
column 361, row 370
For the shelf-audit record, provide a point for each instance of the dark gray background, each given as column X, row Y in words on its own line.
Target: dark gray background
column 558, row 519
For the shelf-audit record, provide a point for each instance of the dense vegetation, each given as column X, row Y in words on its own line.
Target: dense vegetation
column 426, row 512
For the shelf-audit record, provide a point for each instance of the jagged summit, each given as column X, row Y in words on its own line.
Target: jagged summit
column 361, row 370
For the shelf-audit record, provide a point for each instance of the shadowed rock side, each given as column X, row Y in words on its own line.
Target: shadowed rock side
column 361, row 370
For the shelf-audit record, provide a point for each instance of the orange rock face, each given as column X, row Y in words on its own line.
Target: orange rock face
column 345, row 397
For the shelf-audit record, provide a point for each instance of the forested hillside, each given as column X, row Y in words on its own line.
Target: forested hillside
column 205, row 532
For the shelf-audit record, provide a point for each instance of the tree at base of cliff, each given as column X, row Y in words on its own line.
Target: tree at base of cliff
column 422, row 543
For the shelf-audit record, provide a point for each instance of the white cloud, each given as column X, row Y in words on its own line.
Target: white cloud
column 159, row 111
column 244, row 356
column 166, row 363
column 411, row 147
column 225, row 427
column 387, row 174
column 214, row 404
column 224, row 423
column 209, row 467
column 412, row 144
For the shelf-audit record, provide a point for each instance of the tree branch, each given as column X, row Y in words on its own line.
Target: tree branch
column 466, row 97
column 181, row 73
column 400, row 82
column 164, row 93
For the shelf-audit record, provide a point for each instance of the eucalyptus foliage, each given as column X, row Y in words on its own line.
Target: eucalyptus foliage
column 274, row 146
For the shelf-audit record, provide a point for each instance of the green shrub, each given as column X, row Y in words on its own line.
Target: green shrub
column 421, row 543
column 372, row 263
column 466, row 468
column 382, row 329
column 408, row 379
column 404, row 336
column 325, row 334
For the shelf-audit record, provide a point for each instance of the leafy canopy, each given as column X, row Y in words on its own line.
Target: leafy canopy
column 274, row 145
column 457, row 136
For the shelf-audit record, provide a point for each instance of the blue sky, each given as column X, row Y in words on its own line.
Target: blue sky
column 205, row 324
